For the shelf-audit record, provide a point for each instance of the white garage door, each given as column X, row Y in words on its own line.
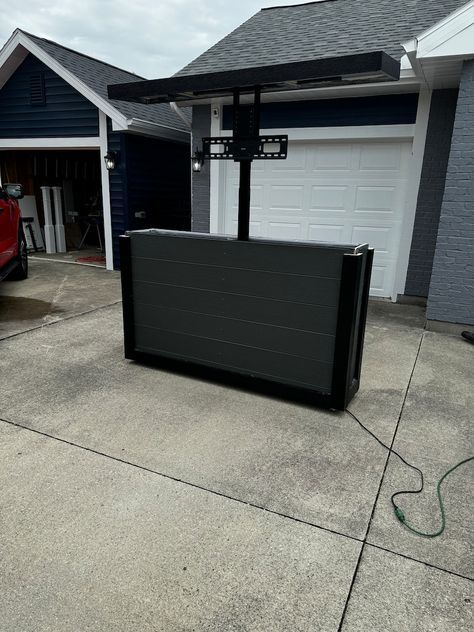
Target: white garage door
column 330, row 191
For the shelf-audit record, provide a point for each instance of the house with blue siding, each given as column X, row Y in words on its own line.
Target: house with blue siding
column 116, row 165
column 389, row 163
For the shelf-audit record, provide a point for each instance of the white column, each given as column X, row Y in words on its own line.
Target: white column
column 49, row 238
column 413, row 185
column 217, row 168
column 106, row 210
column 59, row 226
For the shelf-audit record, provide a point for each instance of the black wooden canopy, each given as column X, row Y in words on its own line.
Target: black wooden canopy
column 364, row 67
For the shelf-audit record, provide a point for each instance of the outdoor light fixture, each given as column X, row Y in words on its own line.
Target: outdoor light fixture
column 197, row 161
column 111, row 160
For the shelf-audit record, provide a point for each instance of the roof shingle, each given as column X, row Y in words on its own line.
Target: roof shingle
column 322, row 29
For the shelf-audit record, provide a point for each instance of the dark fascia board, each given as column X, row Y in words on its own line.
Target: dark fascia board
column 363, row 67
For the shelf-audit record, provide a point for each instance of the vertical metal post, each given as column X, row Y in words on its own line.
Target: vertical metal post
column 125, row 244
column 243, row 227
column 343, row 378
column 248, row 127
column 363, row 310
column 236, row 112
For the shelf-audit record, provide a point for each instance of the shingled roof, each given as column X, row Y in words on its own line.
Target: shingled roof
column 325, row 28
column 96, row 75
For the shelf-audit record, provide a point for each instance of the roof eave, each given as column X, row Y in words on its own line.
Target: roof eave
column 437, row 54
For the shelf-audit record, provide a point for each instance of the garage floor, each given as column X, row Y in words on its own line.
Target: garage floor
column 135, row 499
column 85, row 256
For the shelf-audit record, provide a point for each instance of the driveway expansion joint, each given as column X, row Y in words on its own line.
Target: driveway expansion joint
column 364, row 541
column 413, row 559
column 59, row 320
column 181, row 481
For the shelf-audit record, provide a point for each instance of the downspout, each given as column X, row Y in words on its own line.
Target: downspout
column 177, row 110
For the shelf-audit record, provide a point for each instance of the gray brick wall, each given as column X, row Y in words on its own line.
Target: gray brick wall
column 201, row 181
column 430, row 195
column 451, row 294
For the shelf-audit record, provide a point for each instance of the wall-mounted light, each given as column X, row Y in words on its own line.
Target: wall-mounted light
column 111, row 160
column 197, row 161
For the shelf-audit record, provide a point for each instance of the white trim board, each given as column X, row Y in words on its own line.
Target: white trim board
column 452, row 36
column 358, row 132
column 419, row 141
column 85, row 142
column 138, row 126
column 436, row 55
column 106, row 207
column 216, row 219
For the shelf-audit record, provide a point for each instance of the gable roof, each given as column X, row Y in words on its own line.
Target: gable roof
column 322, row 29
column 94, row 75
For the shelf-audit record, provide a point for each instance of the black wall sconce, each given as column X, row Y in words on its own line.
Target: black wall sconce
column 197, row 161
column 111, row 160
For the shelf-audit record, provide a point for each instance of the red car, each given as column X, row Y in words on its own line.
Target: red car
column 13, row 253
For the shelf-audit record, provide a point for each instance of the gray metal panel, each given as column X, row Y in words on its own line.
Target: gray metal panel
column 303, row 343
column 293, row 288
column 261, row 308
column 313, row 318
column 288, row 369
column 293, row 258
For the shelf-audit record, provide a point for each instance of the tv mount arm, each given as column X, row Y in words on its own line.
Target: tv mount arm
column 244, row 146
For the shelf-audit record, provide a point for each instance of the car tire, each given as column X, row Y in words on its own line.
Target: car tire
column 21, row 271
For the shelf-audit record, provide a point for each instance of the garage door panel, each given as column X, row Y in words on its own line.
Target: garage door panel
column 256, row 228
column 340, row 192
column 381, row 199
column 381, row 157
column 285, row 230
column 379, row 238
column 326, row 232
column 329, row 197
column 296, row 163
column 378, row 280
column 330, row 156
column 257, row 197
column 286, row 197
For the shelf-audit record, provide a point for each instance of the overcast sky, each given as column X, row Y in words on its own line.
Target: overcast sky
column 153, row 38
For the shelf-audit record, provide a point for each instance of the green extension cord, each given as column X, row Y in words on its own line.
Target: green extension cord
column 398, row 512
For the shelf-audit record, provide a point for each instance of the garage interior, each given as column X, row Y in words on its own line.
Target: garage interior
column 77, row 175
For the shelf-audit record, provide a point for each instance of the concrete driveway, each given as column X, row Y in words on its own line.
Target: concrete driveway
column 135, row 499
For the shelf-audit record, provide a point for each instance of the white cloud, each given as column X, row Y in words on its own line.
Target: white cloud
column 151, row 38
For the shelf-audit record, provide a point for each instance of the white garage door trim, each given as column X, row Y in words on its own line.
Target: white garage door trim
column 360, row 133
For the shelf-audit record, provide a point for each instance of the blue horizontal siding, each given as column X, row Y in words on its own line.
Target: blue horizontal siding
column 152, row 176
column 65, row 113
column 396, row 109
column 159, row 182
